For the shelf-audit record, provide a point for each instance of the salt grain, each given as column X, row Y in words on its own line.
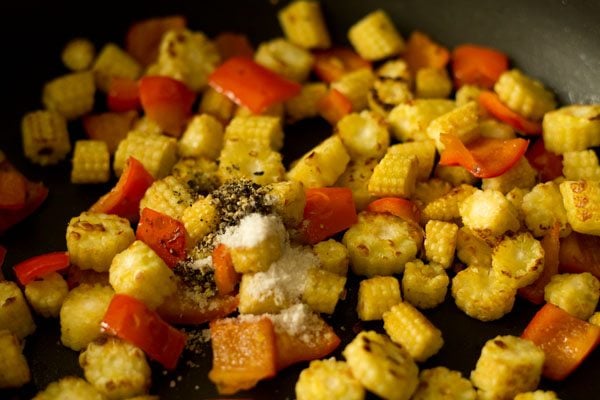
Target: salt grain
column 252, row 230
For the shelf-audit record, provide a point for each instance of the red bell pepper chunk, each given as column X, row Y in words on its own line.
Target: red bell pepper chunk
column 331, row 64
column 477, row 65
column 35, row 194
column 232, row 44
column 166, row 101
column 163, row 234
column 565, row 340
column 27, row 271
column 124, row 199
column 397, row 206
column 13, row 190
column 144, row 37
column 109, row 127
column 123, row 95
column 292, row 349
column 579, row 253
column 327, row 211
column 483, row 157
column 252, row 85
column 130, row 320
column 548, row 164
column 334, row 106
column 226, row 278
column 492, row 103
column 183, row 309
column 422, row 52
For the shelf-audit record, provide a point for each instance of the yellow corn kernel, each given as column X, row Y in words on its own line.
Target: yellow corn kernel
column 186, row 56
column 239, row 160
column 46, row 294
column 139, row 272
column 375, row 37
column 14, row 312
column 382, row 366
column 462, row 122
column 288, row 199
column 432, row 83
column 114, row 62
column 45, row 137
column 333, row 256
column 440, row 383
column 303, row 24
column 355, row 86
column 356, row 177
column 323, row 290
column 489, row 214
column 200, row 219
column 116, row 368
column 387, row 93
column 582, row 202
column 203, row 137
column 365, row 135
column 440, row 242
column 199, row 174
column 78, row 54
column 258, row 131
column 395, row 175
column 430, row 190
column 14, row 371
column 572, row 128
column 169, row 196
column 322, row 165
column 409, row 121
column 578, row 165
column 91, row 162
column 424, row 285
column 472, row 250
column 508, row 365
column 524, row 95
column 81, row 314
column 423, row 150
column 543, row 207
column 328, row 379
column 157, row 153
column 70, row 95
column 376, row 296
column 446, row 207
column 304, row 105
column 518, row 260
column 537, row 395
column 468, row 93
column 409, row 328
column 285, row 58
column 492, row 128
column 454, row 174
column 380, row 244
column 521, row 175
column 216, row 104
column 481, row 295
column 70, row 387
column 577, row 294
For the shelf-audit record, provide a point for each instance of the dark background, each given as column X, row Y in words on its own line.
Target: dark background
column 555, row 41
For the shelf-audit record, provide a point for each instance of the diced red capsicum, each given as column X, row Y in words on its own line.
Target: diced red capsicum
column 579, row 253
column 109, row 127
column 233, row 45
column 331, row 64
column 477, row 65
column 548, row 164
column 124, row 199
column 252, row 85
column 483, row 157
column 397, row 206
column 334, row 106
column 13, row 190
column 292, row 349
column 27, row 271
column 226, row 278
column 565, row 340
column 166, row 101
column 123, row 95
column 163, row 234
column 130, row 320
column 144, row 37
column 183, row 309
column 422, row 52
column 327, row 211
column 492, row 103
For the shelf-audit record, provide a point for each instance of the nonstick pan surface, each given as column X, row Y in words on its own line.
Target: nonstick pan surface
column 556, row 41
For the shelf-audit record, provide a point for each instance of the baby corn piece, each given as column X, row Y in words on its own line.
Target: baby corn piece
column 70, row 95
column 14, row 371
column 328, row 379
column 91, row 162
column 199, row 174
column 365, row 135
column 116, row 368
column 396, row 69
column 158, row 153
column 440, row 383
column 454, row 174
column 169, row 196
column 303, row 25
column 356, row 177
column 285, row 58
column 481, row 295
column 430, row 190
column 321, row 166
column 489, row 214
column 581, row 165
column 323, row 290
column 521, row 175
column 304, row 105
column 14, row 312
column 387, row 93
column 572, row 128
column 582, row 202
column 375, row 37
column 472, row 250
column 288, row 199
column 114, row 61
column 70, row 387
column 203, row 137
column 508, row 365
column 200, row 219
column 382, row 366
column 515, row 196
column 409, row 121
column 440, row 242
column 78, row 54
column 423, row 150
column 138, row 272
column 333, row 256
column 147, row 126
column 432, row 83
column 380, row 244
column 47, row 294
column 424, row 285
column 258, row 131
column 355, row 86
column 251, row 304
column 595, row 318
column 537, row 395
column 275, row 110
column 45, row 137
column 462, row 122
column 468, row 93
column 492, row 128
column 519, row 260
column 93, row 239
column 216, row 104
column 524, row 95
column 395, row 175
column 241, row 160
column 543, row 207
column 81, row 314
column 577, row 294
column 446, row 207
column 376, row 296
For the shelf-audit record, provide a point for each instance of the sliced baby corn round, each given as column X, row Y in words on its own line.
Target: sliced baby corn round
column 524, row 95
column 572, row 128
column 577, row 294
column 328, row 379
column 47, row 294
column 78, row 54
column 424, row 285
column 382, row 366
column 377, row 295
column 14, row 370
column 70, row 387
column 14, row 312
column 364, row 134
column 440, row 383
column 169, row 196
column 518, row 260
column 537, row 395
column 543, row 207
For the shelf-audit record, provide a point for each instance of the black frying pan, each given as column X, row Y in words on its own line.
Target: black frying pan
column 555, row 41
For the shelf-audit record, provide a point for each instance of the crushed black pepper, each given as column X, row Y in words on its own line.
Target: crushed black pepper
column 198, row 280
